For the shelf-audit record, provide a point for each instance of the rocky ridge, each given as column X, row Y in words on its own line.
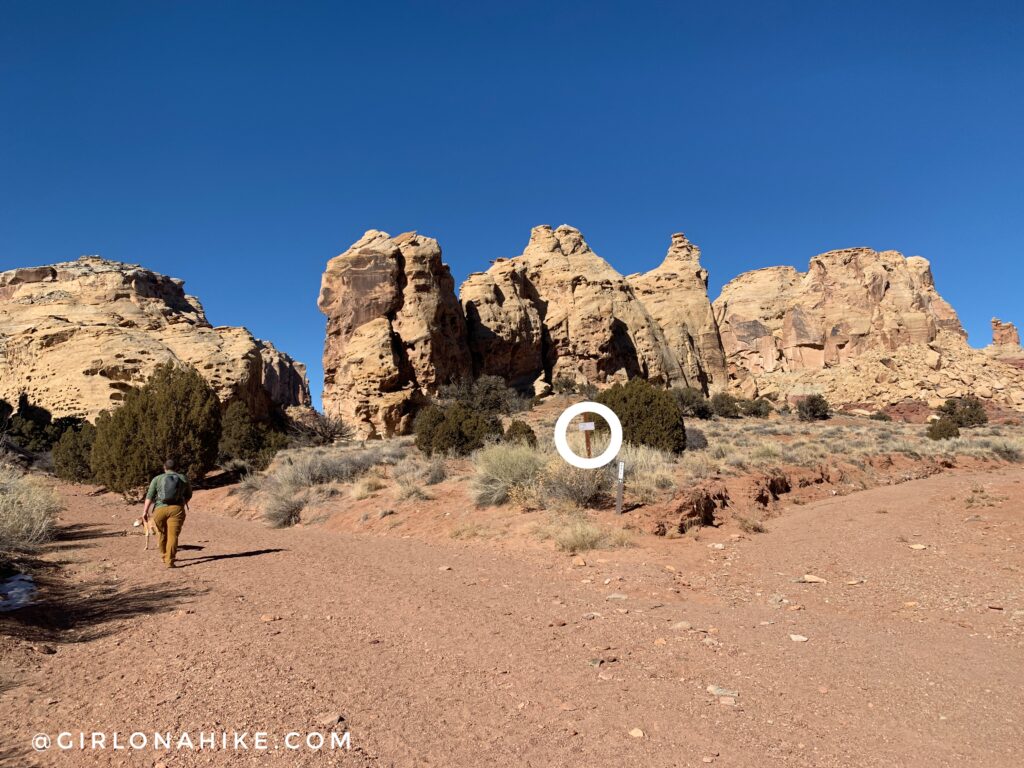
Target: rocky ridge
column 75, row 336
column 863, row 327
column 560, row 310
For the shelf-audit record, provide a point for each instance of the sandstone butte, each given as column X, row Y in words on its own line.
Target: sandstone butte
column 865, row 328
column 76, row 336
column 395, row 331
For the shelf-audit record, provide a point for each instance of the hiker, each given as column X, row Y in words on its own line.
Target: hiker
column 170, row 493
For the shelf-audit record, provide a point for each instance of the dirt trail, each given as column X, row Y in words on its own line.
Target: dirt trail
column 464, row 654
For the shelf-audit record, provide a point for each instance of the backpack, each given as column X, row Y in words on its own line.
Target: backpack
column 171, row 488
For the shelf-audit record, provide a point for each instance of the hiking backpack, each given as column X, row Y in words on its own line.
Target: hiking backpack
column 171, row 488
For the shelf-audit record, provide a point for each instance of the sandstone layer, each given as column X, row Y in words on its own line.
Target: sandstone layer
column 76, row 336
column 395, row 331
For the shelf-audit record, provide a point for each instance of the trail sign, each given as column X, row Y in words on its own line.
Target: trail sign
column 586, row 428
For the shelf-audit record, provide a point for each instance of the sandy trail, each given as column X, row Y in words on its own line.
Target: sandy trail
column 467, row 654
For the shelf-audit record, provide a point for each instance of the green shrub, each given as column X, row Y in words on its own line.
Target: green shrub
column 488, row 395
column 520, row 432
column 455, row 429
column 71, row 454
column 502, row 468
column 813, row 408
column 943, row 429
column 27, row 511
column 880, row 416
column 725, row 405
column 33, row 428
column 243, row 439
column 649, row 415
column 758, row 408
column 563, row 385
column 693, row 402
column 176, row 416
column 964, row 411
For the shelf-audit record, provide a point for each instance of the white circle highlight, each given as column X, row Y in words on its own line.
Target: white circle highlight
column 562, row 440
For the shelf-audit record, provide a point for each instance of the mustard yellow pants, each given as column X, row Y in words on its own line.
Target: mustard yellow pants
column 168, row 521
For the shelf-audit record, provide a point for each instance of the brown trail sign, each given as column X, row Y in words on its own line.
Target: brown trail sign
column 586, row 428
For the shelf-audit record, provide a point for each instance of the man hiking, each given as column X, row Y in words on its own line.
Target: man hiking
column 170, row 493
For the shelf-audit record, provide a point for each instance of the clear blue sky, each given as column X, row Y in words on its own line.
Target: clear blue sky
column 240, row 145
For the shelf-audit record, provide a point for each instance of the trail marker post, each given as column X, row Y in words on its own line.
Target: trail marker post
column 586, row 428
column 618, row 490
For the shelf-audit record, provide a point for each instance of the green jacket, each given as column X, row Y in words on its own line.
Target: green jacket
column 153, row 494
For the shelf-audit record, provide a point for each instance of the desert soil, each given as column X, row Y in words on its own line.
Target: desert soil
column 453, row 653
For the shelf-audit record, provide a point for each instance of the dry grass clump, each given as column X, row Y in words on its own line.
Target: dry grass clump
column 367, row 487
column 574, row 533
column 299, row 478
column 735, row 447
column 579, row 487
column 414, row 472
column 649, row 473
column 28, row 508
column 502, row 469
column 472, row 530
column 750, row 525
column 539, row 477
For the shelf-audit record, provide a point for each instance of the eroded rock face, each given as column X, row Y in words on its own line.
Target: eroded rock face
column 847, row 303
column 76, row 336
column 395, row 331
column 860, row 327
column 559, row 310
column 1004, row 334
column 676, row 296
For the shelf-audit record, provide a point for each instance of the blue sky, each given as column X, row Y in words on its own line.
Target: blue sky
column 240, row 145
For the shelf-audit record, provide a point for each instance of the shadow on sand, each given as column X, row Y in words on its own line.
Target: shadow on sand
column 190, row 561
column 78, row 532
column 76, row 612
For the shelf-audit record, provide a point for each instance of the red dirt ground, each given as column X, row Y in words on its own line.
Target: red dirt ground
column 455, row 653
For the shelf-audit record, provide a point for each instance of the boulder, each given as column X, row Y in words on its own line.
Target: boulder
column 76, row 336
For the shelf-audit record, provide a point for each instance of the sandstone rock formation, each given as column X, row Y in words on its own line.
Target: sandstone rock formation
column 395, row 331
column 863, row 327
column 1004, row 334
column 848, row 302
column 75, row 336
column 860, row 326
column 560, row 310
column 676, row 295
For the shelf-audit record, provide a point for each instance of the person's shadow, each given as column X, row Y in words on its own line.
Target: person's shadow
column 190, row 561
